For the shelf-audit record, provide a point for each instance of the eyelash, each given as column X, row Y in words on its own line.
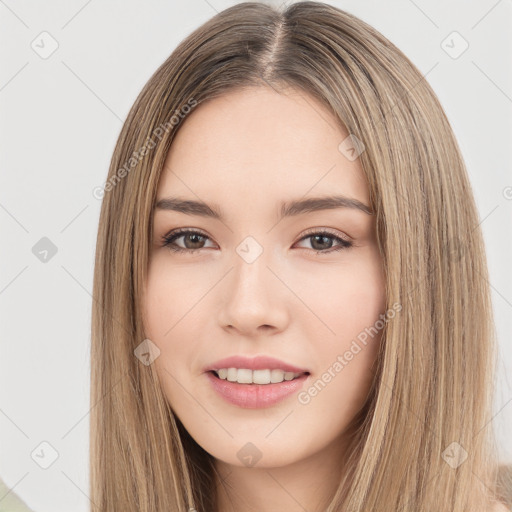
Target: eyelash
column 168, row 241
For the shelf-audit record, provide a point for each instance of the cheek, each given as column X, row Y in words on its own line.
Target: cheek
column 352, row 306
column 166, row 304
column 170, row 294
column 168, row 311
column 359, row 301
column 348, row 298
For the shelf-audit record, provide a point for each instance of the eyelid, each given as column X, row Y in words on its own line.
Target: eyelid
column 331, row 231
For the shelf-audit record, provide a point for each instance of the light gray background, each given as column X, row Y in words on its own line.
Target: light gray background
column 60, row 118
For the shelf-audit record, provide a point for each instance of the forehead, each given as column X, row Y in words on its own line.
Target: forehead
column 254, row 144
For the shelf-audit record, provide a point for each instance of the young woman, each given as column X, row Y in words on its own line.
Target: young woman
column 291, row 306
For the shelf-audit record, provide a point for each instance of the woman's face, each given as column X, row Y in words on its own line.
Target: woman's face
column 261, row 284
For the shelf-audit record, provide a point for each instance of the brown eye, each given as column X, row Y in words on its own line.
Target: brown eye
column 193, row 240
column 321, row 244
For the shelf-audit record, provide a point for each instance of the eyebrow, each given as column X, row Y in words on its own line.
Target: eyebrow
column 288, row 209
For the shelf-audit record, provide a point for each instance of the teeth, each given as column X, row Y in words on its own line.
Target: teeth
column 245, row 376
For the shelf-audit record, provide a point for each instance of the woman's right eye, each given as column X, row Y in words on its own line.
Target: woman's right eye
column 196, row 236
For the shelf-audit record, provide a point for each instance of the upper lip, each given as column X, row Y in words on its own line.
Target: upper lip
column 254, row 363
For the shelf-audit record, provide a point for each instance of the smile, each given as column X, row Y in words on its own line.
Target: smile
column 251, row 395
column 264, row 376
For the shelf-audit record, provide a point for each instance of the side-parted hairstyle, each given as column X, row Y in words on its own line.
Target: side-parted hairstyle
column 426, row 441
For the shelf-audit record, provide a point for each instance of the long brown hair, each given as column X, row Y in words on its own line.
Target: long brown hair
column 426, row 441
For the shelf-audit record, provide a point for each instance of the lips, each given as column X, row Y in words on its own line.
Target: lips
column 254, row 363
column 255, row 396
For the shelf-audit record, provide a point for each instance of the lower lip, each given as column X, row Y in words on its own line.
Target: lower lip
column 255, row 396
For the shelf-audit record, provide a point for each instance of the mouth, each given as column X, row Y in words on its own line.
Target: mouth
column 255, row 389
column 259, row 377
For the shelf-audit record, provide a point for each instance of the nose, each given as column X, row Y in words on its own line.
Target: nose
column 254, row 301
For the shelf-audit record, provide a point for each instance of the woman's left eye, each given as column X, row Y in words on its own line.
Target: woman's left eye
column 318, row 238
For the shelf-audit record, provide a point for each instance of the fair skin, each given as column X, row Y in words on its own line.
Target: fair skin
column 245, row 153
